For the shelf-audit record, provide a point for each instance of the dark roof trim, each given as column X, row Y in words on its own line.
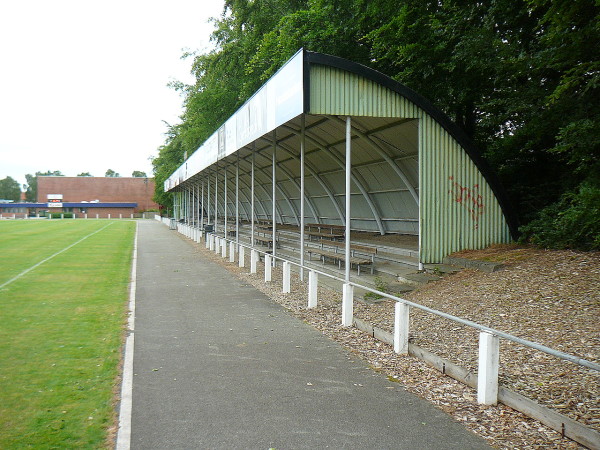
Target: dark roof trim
column 440, row 117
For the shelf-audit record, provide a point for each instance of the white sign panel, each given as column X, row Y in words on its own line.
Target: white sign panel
column 278, row 101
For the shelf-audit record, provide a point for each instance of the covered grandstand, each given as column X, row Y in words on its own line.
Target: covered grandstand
column 327, row 139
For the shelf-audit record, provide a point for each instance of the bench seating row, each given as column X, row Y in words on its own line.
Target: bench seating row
column 360, row 255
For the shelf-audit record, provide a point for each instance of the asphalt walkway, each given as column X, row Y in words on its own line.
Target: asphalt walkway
column 218, row 365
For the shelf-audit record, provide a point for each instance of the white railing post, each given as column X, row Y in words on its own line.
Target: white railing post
column 253, row 260
column 232, row 252
column 313, row 282
column 223, row 248
column 489, row 362
column 211, row 242
column 207, row 241
column 347, row 305
column 286, row 277
column 268, row 268
column 241, row 257
column 217, row 244
column 401, row 326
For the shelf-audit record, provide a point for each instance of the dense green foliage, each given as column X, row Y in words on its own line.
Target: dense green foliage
column 520, row 77
column 10, row 189
column 112, row 173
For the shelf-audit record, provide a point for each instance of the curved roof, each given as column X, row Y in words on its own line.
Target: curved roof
column 440, row 117
column 413, row 170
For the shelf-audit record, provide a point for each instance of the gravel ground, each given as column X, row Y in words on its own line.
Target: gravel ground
column 550, row 297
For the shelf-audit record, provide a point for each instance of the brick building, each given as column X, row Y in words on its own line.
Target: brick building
column 99, row 190
column 102, row 197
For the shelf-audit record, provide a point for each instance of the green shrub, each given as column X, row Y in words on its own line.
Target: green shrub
column 572, row 222
column 57, row 215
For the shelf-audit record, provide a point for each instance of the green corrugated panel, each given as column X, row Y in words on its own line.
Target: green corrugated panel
column 334, row 91
column 457, row 207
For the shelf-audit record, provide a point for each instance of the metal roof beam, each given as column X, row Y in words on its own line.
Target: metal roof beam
column 280, row 189
column 385, row 156
column 359, row 184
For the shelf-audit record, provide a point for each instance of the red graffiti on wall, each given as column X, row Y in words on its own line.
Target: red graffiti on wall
column 470, row 198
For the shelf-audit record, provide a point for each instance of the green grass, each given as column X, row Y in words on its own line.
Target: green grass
column 61, row 331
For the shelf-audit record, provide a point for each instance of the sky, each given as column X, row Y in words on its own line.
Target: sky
column 83, row 83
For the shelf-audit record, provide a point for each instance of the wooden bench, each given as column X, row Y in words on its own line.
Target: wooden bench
column 335, row 251
column 325, row 231
column 265, row 237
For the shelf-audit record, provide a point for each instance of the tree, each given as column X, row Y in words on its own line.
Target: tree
column 111, row 173
column 10, row 189
column 139, row 174
column 85, row 174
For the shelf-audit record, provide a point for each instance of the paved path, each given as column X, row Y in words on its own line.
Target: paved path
column 218, row 365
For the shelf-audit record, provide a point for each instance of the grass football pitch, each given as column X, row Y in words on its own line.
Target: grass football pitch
column 63, row 304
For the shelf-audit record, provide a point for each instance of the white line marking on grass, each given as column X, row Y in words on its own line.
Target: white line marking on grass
column 52, row 256
column 124, row 433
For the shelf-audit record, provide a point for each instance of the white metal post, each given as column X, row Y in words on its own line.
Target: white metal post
column 273, row 195
column 313, row 283
column 202, row 210
column 216, row 197
column 241, row 257
column 232, row 252
column 348, row 211
column 302, row 199
column 223, row 248
column 199, row 222
column 348, row 289
column 268, row 268
column 208, row 199
column 489, row 361
column 347, row 305
column 225, row 200
column 401, row 327
column 237, row 199
column 253, row 260
column 286, row 277
column 252, row 199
